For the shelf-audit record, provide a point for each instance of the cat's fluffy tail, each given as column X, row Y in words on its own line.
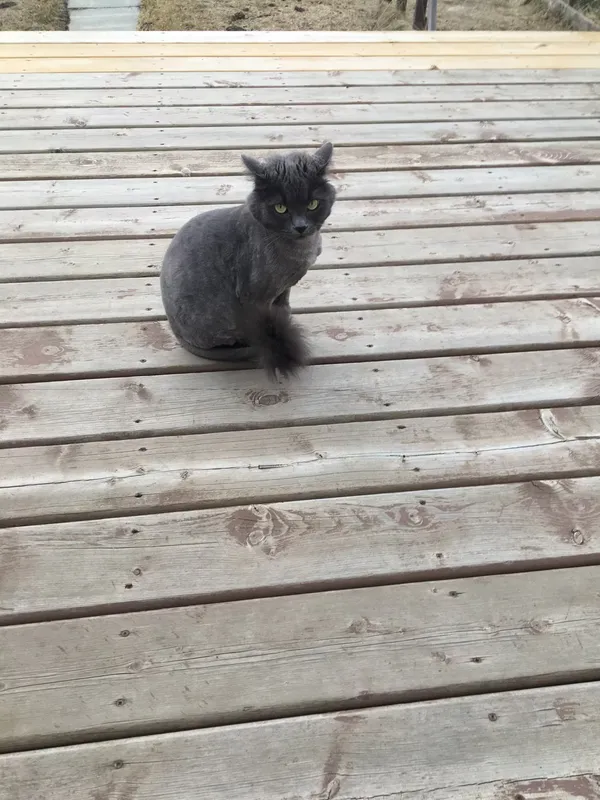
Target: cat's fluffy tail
column 278, row 341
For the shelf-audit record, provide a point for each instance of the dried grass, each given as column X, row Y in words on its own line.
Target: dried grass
column 299, row 15
column 33, row 15
column 496, row 15
column 590, row 8
column 346, row 15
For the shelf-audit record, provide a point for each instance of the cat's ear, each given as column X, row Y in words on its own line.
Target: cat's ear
column 322, row 156
column 255, row 167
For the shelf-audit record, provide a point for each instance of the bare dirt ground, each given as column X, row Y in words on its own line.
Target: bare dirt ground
column 339, row 15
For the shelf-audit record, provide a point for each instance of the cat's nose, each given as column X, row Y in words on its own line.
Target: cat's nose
column 300, row 228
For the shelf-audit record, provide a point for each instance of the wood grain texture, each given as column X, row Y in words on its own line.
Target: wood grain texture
column 183, row 190
column 291, row 136
column 304, row 545
column 108, row 80
column 227, row 663
column 335, row 77
column 169, row 473
column 186, row 163
column 71, row 411
column 296, row 47
column 297, row 95
column 527, row 211
column 147, row 347
column 533, row 733
column 284, row 115
column 67, row 302
column 525, row 61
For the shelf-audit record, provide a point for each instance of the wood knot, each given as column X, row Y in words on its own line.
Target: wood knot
column 566, row 712
column 577, row 536
column 407, row 517
column 265, row 397
column 331, row 790
column 364, row 625
column 415, row 517
column 439, row 656
column 139, row 390
column 339, row 334
column 538, row 625
column 260, row 528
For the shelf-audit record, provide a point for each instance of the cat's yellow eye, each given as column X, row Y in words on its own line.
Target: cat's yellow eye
column 312, row 205
column 280, row 208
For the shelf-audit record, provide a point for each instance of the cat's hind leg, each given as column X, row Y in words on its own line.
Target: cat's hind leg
column 283, row 300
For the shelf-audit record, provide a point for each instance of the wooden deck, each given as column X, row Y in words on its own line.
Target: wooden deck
column 379, row 581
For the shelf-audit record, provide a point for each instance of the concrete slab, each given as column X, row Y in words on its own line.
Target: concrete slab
column 103, row 19
column 76, row 5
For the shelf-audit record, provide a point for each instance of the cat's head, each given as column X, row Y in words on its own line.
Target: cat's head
column 292, row 195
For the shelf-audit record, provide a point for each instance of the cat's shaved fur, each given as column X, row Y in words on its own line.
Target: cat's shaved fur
column 227, row 274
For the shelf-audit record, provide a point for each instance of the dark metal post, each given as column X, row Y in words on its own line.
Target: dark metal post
column 420, row 17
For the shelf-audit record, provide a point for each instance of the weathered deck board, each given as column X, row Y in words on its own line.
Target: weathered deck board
column 449, row 430
column 67, row 302
column 526, row 210
column 298, row 95
column 216, row 64
column 303, row 545
column 129, row 258
column 55, row 412
column 246, row 660
column 168, row 473
column 214, row 137
column 329, row 78
column 539, row 740
column 299, row 47
column 185, row 163
column 39, row 119
column 184, row 190
column 68, row 351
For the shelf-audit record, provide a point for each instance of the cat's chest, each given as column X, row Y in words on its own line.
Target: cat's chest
column 282, row 265
column 294, row 257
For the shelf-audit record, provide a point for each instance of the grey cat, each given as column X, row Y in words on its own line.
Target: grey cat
column 227, row 274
